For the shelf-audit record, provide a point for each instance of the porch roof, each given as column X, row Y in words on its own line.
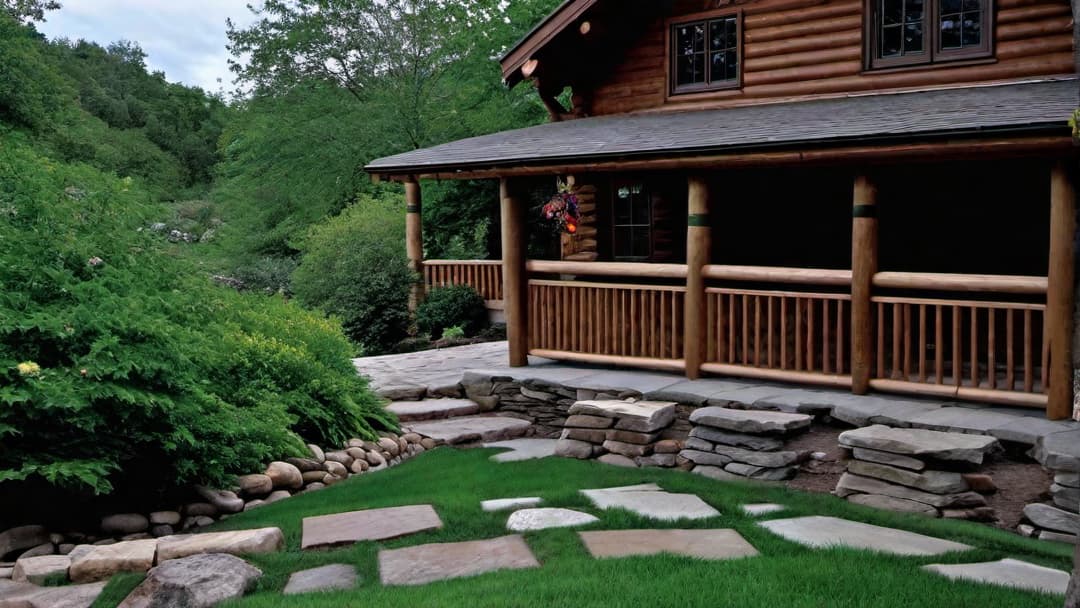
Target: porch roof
column 1018, row 108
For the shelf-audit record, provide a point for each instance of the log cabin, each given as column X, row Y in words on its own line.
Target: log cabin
column 872, row 194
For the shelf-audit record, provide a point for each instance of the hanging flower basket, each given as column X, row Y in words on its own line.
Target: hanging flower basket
column 562, row 209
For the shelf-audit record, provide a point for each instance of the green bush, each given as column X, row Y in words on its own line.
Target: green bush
column 123, row 366
column 354, row 266
column 454, row 306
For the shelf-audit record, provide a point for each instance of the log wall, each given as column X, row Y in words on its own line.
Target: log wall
column 797, row 49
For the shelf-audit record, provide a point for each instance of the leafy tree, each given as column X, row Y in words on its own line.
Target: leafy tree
column 31, row 89
column 29, row 10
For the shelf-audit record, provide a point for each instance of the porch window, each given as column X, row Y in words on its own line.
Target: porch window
column 914, row 32
column 632, row 222
column 705, row 54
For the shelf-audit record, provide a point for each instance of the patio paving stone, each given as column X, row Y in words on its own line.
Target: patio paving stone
column 1009, row 573
column 440, row 561
column 703, row 544
column 823, row 532
column 652, row 502
column 371, row 524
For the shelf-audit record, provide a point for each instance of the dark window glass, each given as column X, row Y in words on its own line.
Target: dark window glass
column 901, row 30
column 633, row 222
column 908, row 32
column 960, row 24
column 706, row 53
column 690, row 53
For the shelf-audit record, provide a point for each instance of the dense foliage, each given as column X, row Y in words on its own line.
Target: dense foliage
column 354, row 266
column 449, row 307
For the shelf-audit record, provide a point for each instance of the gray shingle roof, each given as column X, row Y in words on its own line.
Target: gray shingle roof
column 1029, row 107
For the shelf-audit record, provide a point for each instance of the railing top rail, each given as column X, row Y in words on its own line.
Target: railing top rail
column 805, row 295
column 617, row 269
column 958, row 303
column 462, row 262
column 962, row 282
column 586, row 285
column 774, row 274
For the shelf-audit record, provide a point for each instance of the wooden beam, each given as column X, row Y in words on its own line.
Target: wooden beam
column 961, row 282
column 1059, row 292
column 515, row 279
column 414, row 240
column 864, row 263
column 698, row 252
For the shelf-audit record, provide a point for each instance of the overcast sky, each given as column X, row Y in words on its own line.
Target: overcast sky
column 183, row 38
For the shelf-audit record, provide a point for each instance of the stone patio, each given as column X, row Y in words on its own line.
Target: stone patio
column 702, row 544
column 428, row 563
column 372, row 524
column 823, row 532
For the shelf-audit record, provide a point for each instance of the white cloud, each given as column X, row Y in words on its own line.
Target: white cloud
column 186, row 40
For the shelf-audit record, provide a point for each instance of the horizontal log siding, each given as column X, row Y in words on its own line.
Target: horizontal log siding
column 816, row 50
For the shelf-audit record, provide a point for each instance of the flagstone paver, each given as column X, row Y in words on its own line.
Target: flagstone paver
column 370, row 524
column 822, row 532
column 502, row 504
column 704, row 544
column 431, row 409
column 523, row 449
column 544, row 518
column 649, row 500
column 427, row 563
column 327, row 578
column 471, row 429
column 1009, row 573
column 762, row 508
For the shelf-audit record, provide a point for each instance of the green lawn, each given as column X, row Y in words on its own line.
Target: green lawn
column 785, row 575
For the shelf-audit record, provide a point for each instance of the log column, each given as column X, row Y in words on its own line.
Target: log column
column 864, row 265
column 698, row 250
column 414, row 240
column 1059, row 293
column 515, row 279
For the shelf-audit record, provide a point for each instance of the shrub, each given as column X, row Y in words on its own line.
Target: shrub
column 453, row 333
column 454, row 306
column 354, row 266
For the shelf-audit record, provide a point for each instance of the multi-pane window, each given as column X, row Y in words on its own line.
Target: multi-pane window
column 632, row 222
column 907, row 32
column 705, row 54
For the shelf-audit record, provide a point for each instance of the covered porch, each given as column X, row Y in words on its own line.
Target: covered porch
column 935, row 258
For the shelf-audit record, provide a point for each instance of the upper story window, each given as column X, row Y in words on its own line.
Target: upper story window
column 910, row 32
column 705, row 54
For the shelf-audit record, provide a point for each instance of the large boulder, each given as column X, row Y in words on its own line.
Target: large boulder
column 102, row 562
column 22, row 537
column 284, row 476
column 223, row 500
column 124, row 523
column 199, row 581
column 236, row 542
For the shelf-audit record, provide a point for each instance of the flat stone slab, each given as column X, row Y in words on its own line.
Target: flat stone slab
column 823, row 532
column 1029, row 429
column 762, row 508
column 544, row 518
column 335, row 577
column 370, row 524
column 471, row 429
column 38, row 569
column 640, row 416
column 100, row 563
column 435, row 562
column 25, row 595
column 502, row 504
column 922, row 443
column 703, row 544
column 750, row 421
column 1053, row 518
column 431, row 409
column 1059, row 451
column 1007, row 573
column 961, row 420
column 863, row 410
column 652, row 503
column 235, row 542
column 523, row 449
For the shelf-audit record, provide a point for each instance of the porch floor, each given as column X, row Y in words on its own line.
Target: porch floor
column 423, row 374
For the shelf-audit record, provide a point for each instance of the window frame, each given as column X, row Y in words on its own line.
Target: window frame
column 615, row 225
column 671, row 66
column 933, row 54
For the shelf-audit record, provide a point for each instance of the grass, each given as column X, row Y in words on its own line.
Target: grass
column 786, row 574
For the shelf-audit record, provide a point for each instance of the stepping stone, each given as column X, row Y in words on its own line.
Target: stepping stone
column 431, row 409
column 502, row 504
column 922, row 443
column 703, row 544
column 639, row 416
column 25, row 595
column 750, row 421
column 334, row 577
column 1008, row 573
column 823, row 532
column 523, row 449
column 542, row 519
column 762, row 508
column 371, row 524
column 653, row 503
column 435, row 562
column 236, row 542
column 471, row 429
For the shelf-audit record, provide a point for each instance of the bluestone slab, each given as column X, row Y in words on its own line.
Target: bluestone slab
column 702, row 544
column 822, row 532
column 335, row 577
column 523, row 449
column 1011, row 573
column 371, row 524
column 435, row 562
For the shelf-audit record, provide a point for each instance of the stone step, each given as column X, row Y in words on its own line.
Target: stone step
column 432, row 409
column 471, row 429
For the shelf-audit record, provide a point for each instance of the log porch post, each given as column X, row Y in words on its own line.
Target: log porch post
column 515, row 279
column 414, row 240
column 1059, row 292
column 864, row 265
column 698, row 252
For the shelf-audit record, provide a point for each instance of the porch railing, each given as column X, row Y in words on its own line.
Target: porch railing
column 485, row 276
